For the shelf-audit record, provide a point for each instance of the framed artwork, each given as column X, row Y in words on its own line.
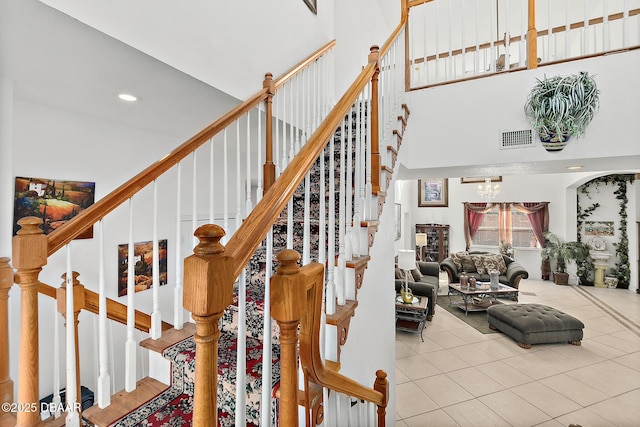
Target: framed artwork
column 433, row 192
column 398, row 224
column 143, row 257
column 54, row 201
column 313, row 5
column 598, row 228
column 475, row 180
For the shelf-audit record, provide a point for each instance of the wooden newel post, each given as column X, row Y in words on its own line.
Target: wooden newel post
column 288, row 303
column 78, row 305
column 532, row 37
column 381, row 384
column 269, row 171
column 6, row 385
column 29, row 256
column 376, row 161
column 208, row 290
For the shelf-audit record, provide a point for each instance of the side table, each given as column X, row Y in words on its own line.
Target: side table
column 411, row 317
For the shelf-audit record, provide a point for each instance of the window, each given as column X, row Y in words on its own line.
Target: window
column 514, row 227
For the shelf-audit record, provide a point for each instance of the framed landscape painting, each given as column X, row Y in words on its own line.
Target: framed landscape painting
column 143, row 258
column 54, row 201
column 433, row 192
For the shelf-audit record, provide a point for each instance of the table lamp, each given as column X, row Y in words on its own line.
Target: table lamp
column 421, row 241
column 406, row 262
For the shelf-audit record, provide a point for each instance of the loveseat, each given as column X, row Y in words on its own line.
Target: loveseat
column 478, row 264
column 423, row 281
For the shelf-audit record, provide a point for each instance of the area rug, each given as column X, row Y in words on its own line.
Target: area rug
column 475, row 319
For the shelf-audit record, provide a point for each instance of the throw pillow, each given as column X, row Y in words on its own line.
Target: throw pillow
column 468, row 265
column 495, row 262
column 399, row 274
column 417, row 274
column 478, row 261
column 457, row 259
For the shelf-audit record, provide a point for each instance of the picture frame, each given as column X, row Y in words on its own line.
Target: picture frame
column 433, row 192
column 143, row 256
column 54, row 201
column 398, row 223
column 479, row 179
column 313, row 5
column 599, row 228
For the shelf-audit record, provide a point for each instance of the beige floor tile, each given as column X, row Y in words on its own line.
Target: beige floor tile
column 446, row 339
column 622, row 410
column 534, row 365
column 474, row 413
column 445, row 360
column 603, row 324
column 629, row 345
column 630, row 360
column 551, row 423
column 575, row 390
column 475, row 381
column 514, row 409
column 438, row 418
column 504, row 374
column 401, row 377
column 546, row 399
column 609, row 377
column 425, row 347
column 403, row 350
column 416, row 367
column 412, row 401
column 587, row 418
column 602, row 350
column 443, row 390
column 472, row 354
column 401, row 423
column 470, row 335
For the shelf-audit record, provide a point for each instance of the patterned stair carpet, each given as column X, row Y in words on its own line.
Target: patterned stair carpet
column 174, row 406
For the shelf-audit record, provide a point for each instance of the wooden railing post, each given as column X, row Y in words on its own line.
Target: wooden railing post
column 208, row 290
column 381, row 384
column 78, row 305
column 532, row 37
column 6, row 385
column 288, row 302
column 374, row 56
column 29, row 256
column 269, row 174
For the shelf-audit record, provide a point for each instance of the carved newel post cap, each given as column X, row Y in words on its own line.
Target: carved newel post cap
column 29, row 245
column 208, row 274
column 288, row 289
column 29, row 225
column 288, row 259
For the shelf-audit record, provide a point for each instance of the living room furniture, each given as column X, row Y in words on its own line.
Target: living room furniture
column 424, row 281
column 478, row 264
column 479, row 298
column 531, row 324
column 411, row 317
column 436, row 247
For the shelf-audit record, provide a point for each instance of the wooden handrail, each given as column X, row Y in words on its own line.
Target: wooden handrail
column 514, row 39
column 115, row 310
column 304, row 63
column 255, row 227
column 385, row 47
column 100, row 209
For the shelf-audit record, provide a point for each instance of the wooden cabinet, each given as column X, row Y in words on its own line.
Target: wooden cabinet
column 437, row 247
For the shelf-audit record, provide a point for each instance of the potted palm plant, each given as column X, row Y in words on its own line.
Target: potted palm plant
column 562, row 252
column 562, row 106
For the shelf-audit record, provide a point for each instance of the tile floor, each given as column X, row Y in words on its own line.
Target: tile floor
column 461, row 377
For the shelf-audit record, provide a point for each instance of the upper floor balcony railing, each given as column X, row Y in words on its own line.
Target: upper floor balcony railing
column 460, row 39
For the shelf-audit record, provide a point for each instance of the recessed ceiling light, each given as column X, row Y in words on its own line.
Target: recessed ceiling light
column 574, row 168
column 127, row 97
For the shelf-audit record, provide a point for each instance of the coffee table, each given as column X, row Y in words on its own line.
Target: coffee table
column 411, row 317
column 474, row 299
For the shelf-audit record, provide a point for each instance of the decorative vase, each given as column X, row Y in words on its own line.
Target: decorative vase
column 407, row 295
column 463, row 280
column 493, row 277
column 553, row 143
column 611, row 282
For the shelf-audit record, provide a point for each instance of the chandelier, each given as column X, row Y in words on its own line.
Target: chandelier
column 487, row 191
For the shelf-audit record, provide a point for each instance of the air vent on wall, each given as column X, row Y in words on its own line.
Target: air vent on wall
column 516, row 139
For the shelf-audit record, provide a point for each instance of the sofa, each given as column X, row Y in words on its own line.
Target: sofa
column 423, row 281
column 478, row 264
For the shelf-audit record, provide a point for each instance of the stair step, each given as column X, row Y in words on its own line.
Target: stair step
column 123, row 403
column 169, row 337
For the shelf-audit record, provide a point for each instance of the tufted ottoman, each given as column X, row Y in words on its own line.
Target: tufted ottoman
column 535, row 324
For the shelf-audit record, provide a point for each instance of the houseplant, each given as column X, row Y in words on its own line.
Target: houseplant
column 562, row 252
column 562, row 106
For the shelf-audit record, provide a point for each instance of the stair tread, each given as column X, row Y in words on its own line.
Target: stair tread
column 342, row 312
column 169, row 338
column 7, row 420
column 123, row 402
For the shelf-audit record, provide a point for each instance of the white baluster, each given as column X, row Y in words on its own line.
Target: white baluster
column 462, row 39
column 476, row 57
column 285, row 160
column 298, row 106
column 567, row 31
column 450, row 72
column 211, row 182
column 331, row 250
column 342, row 264
column 524, row 28
column 507, row 37
column 131, row 345
column 291, row 125
column 348, row 248
column 606, row 30
column 73, row 417
column 225, row 186
column 238, row 178
column 260, row 190
column 368, row 188
column 241, row 361
column 625, row 24
column 249, row 203
column 437, row 37
column 584, row 31
column 306, row 235
column 178, row 310
column 156, row 317
column 355, row 241
column 265, row 398
column 550, row 45
column 194, row 199
column 56, row 364
column 104, row 379
column 322, row 247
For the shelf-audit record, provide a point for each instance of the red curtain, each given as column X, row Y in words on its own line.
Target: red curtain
column 538, row 214
column 473, row 214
